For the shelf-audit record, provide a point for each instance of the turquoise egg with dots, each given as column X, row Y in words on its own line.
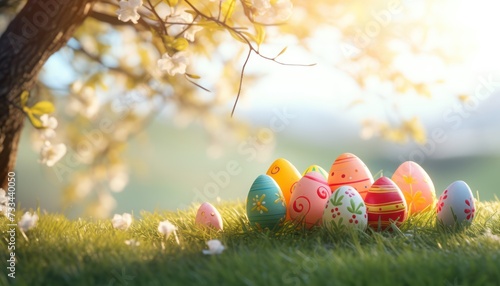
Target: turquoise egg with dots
column 266, row 207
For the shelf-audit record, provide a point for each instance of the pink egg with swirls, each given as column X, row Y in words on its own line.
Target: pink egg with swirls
column 309, row 199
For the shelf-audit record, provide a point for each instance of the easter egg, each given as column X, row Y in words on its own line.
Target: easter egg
column 416, row 185
column 208, row 216
column 456, row 205
column 286, row 175
column 316, row 168
column 345, row 208
column 385, row 203
column 265, row 203
column 349, row 170
column 309, row 199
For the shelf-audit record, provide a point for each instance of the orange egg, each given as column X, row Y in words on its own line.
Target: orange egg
column 349, row 170
column 285, row 175
column 385, row 202
column 416, row 185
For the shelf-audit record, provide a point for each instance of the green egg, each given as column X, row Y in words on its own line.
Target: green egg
column 266, row 206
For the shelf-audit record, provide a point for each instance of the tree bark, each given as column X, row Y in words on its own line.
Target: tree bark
column 40, row 29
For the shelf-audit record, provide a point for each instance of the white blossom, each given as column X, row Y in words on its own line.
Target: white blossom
column 122, row 222
column 214, row 247
column 49, row 123
column 117, row 178
column 183, row 23
column 190, row 33
column 128, row 11
column 267, row 11
column 132, row 242
column 27, row 221
column 3, row 201
column 166, row 228
column 83, row 100
column 176, row 64
column 51, row 154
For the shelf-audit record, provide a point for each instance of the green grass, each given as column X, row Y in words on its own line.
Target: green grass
column 90, row 252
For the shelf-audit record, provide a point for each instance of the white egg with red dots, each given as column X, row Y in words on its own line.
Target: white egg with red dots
column 345, row 209
column 456, row 205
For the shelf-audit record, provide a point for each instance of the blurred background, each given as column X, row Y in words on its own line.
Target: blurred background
column 440, row 109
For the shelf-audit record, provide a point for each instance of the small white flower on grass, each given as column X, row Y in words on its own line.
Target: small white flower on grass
column 122, row 222
column 51, row 154
column 3, row 202
column 128, row 11
column 165, row 227
column 132, row 242
column 175, row 64
column 27, row 221
column 491, row 236
column 214, row 247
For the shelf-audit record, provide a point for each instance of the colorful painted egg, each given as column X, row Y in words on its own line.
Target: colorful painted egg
column 265, row 203
column 349, row 170
column 208, row 216
column 345, row 209
column 385, row 203
column 316, row 168
column 286, row 175
column 309, row 199
column 416, row 185
column 456, row 204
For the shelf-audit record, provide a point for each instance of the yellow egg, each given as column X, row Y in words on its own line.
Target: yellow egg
column 285, row 175
column 316, row 168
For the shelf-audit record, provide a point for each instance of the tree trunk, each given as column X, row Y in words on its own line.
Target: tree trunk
column 40, row 29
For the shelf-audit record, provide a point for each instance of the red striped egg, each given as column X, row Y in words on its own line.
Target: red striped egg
column 309, row 199
column 385, row 203
column 349, row 170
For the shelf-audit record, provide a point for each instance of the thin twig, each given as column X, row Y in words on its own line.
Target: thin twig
column 241, row 81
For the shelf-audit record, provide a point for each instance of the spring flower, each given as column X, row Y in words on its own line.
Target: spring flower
column 128, row 11
column 49, row 123
column 268, row 11
column 3, row 201
column 175, row 64
column 51, row 154
column 166, row 228
column 27, row 221
column 214, row 247
column 132, row 242
column 122, row 222
column 178, row 28
column 83, row 100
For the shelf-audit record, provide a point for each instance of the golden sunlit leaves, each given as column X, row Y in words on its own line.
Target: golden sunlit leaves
column 180, row 44
column 260, row 34
column 24, row 98
column 402, row 133
column 40, row 108
column 228, row 9
column 176, row 44
column 172, row 3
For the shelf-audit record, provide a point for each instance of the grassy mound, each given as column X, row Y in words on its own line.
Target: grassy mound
column 59, row 251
